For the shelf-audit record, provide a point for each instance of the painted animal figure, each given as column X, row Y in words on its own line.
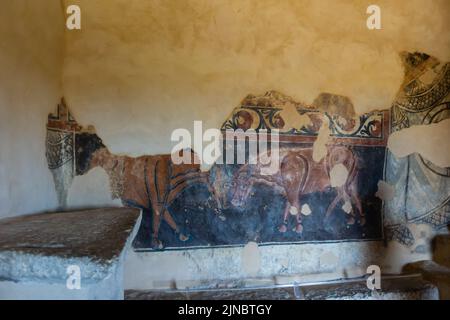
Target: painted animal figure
column 148, row 182
column 299, row 174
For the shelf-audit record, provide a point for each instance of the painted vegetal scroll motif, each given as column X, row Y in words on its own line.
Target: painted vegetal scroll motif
column 422, row 188
column 265, row 112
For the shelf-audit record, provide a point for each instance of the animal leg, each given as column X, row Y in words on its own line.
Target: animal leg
column 283, row 227
column 295, row 210
column 333, row 203
column 347, row 199
column 357, row 202
column 168, row 218
column 294, row 171
column 156, row 243
column 299, row 227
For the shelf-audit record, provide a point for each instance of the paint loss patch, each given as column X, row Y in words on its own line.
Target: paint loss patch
column 338, row 175
column 430, row 141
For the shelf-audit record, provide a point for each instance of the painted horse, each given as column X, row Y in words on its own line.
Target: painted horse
column 299, row 174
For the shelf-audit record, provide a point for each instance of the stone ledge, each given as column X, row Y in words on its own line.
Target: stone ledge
column 35, row 250
column 441, row 249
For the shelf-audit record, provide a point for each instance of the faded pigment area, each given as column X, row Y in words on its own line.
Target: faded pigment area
column 432, row 141
column 31, row 56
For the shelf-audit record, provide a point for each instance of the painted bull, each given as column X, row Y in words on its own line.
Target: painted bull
column 150, row 182
column 147, row 182
column 299, row 174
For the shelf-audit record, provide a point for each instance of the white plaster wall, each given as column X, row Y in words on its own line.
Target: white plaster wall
column 91, row 191
column 140, row 69
column 31, row 57
column 278, row 264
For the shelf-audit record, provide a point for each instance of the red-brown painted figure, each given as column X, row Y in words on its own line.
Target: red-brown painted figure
column 299, row 174
column 150, row 182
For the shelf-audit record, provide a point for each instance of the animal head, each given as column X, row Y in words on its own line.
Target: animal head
column 86, row 145
column 340, row 155
column 241, row 187
column 221, row 185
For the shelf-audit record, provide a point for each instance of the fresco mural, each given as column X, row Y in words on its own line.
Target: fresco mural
column 234, row 204
column 149, row 182
column 422, row 189
column 321, row 191
column 60, row 150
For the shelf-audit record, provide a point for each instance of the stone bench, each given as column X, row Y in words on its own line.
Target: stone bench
column 43, row 256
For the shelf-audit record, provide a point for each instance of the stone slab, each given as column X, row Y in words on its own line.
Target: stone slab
column 36, row 250
column 99, row 234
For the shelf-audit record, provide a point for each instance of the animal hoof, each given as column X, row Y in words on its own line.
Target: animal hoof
column 156, row 244
column 362, row 221
column 182, row 237
column 298, row 228
column 282, row 228
column 351, row 221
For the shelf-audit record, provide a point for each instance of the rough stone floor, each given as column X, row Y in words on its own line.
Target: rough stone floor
column 411, row 288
